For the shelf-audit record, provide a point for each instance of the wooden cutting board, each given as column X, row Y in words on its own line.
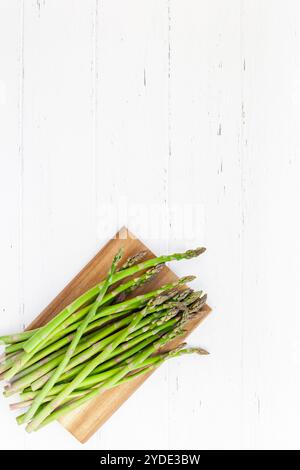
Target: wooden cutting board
column 85, row 421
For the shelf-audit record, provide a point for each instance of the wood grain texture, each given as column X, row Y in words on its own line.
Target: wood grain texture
column 85, row 421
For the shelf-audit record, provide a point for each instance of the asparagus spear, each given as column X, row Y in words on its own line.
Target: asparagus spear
column 74, row 320
column 73, row 344
column 134, row 259
column 44, row 332
column 37, row 378
column 44, row 366
column 97, row 378
column 54, row 359
column 123, row 351
column 37, row 420
column 107, row 351
column 106, row 311
column 154, row 363
column 18, row 340
column 110, row 328
column 82, row 359
column 86, row 384
column 15, row 338
column 4, row 356
column 40, row 419
column 141, row 340
column 20, row 418
column 9, row 362
column 34, row 367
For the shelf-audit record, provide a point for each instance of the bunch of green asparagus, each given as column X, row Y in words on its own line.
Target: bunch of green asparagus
column 104, row 338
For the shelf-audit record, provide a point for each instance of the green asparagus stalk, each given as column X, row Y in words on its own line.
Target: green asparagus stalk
column 124, row 307
column 89, row 382
column 28, row 403
column 68, row 327
column 4, row 356
column 40, row 419
column 9, row 362
column 82, row 359
column 46, row 364
column 71, row 324
column 37, row 378
column 20, row 418
column 15, row 338
column 104, row 355
column 44, row 332
column 34, row 373
column 106, row 311
column 37, row 383
column 91, row 326
column 100, row 376
column 17, row 341
column 147, row 366
column 34, row 367
column 73, row 344
column 123, row 351
column 134, row 259
column 105, row 332
column 97, row 378
column 100, row 340
column 50, row 363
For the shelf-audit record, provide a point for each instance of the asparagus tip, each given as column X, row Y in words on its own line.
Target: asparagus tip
column 178, row 331
column 194, row 253
column 139, row 256
column 156, row 269
column 201, row 351
column 118, row 255
column 185, row 279
column 194, row 295
column 196, row 306
column 163, row 296
column 184, row 294
column 132, row 260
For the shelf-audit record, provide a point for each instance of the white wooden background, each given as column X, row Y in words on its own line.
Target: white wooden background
column 162, row 102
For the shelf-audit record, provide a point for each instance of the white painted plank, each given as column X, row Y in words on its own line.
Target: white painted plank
column 131, row 151
column 11, row 95
column 132, row 111
column 59, row 188
column 205, row 175
column 59, row 233
column 271, row 261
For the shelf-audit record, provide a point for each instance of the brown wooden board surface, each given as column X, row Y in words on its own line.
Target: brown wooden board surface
column 85, row 421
